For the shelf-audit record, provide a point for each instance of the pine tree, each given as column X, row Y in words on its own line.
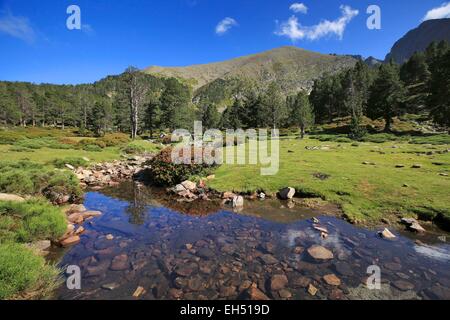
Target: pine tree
column 439, row 98
column 210, row 116
column 301, row 113
column 274, row 106
column 175, row 111
column 387, row 95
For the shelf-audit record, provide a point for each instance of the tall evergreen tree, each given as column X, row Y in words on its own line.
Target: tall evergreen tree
column 387, row 95
column 210, row 116
column 301, row 112
column 439, row 98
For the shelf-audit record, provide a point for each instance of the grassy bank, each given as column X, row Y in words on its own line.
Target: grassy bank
column 33, row 163
column 24, row 274
column 361, row 177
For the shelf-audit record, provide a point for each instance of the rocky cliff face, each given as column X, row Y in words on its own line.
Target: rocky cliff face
column 418, row 39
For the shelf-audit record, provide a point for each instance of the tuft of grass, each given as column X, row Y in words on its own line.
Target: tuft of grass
column 24, row 274
column 30, row 221
column 74, row 161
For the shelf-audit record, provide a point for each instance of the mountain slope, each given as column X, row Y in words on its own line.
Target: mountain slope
column 418, row 39
column 291, row 67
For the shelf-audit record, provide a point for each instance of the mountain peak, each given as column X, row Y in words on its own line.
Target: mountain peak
column 293, row 67
column 419, row 39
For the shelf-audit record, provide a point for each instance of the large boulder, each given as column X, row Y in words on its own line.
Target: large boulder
column 286, row 193
column 10, row 197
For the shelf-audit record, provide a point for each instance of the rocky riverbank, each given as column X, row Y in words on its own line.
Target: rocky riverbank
column 109, row 174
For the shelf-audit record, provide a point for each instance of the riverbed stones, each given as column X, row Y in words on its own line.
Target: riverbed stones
column 312, row 290
column 343, row 268
column 403, row 285
column 10, row 197
column 301, row 282
column 320, row 253
column 138, row 292
column 268, row 259
column 332, row 280
column 90, row 214
column 70, row 241
column 205, row 253
column 120, row 263
column 285, row 294
column 111, row 286
column 286, row 193
column 227, row 291
column 75, row 208
column 97, row 268
column 278, row 282
column 186, row 270
column 109, row 237
column 79, row 230
column 255, row 294
column 76, row 218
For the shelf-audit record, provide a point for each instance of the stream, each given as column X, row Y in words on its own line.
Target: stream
column 213, row 253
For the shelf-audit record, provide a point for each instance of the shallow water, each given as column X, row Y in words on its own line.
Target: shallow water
column 218, row 255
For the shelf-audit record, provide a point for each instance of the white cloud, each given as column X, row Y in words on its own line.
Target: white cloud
column 225, row 25
column 299, row 8
column 295, row 31
column 18, row 27
column 438, row 13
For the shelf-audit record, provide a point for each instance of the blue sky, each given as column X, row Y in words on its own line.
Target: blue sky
column 36, row 46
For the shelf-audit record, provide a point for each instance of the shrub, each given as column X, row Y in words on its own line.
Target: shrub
column 9, row 137
column 133, row 149
column 162, row 171
column 20, row 149
column 92, row 148
column 92, row 142
column 30, row 221
column 23, row 274
column 68, row 141
column 74, row 161
column 344, row 140
column 381, row 138
column 115, row 139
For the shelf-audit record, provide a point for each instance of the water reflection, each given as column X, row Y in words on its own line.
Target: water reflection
column 221, row 255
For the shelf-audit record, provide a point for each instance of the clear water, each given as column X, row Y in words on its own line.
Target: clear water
column 217, row 255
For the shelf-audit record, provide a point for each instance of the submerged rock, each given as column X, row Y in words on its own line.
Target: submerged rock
column 332, row 280
column 255, row 294
column 312, row 290
column 70, row 241
column 320, row 253
column 278, row 282
column 120, row 263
